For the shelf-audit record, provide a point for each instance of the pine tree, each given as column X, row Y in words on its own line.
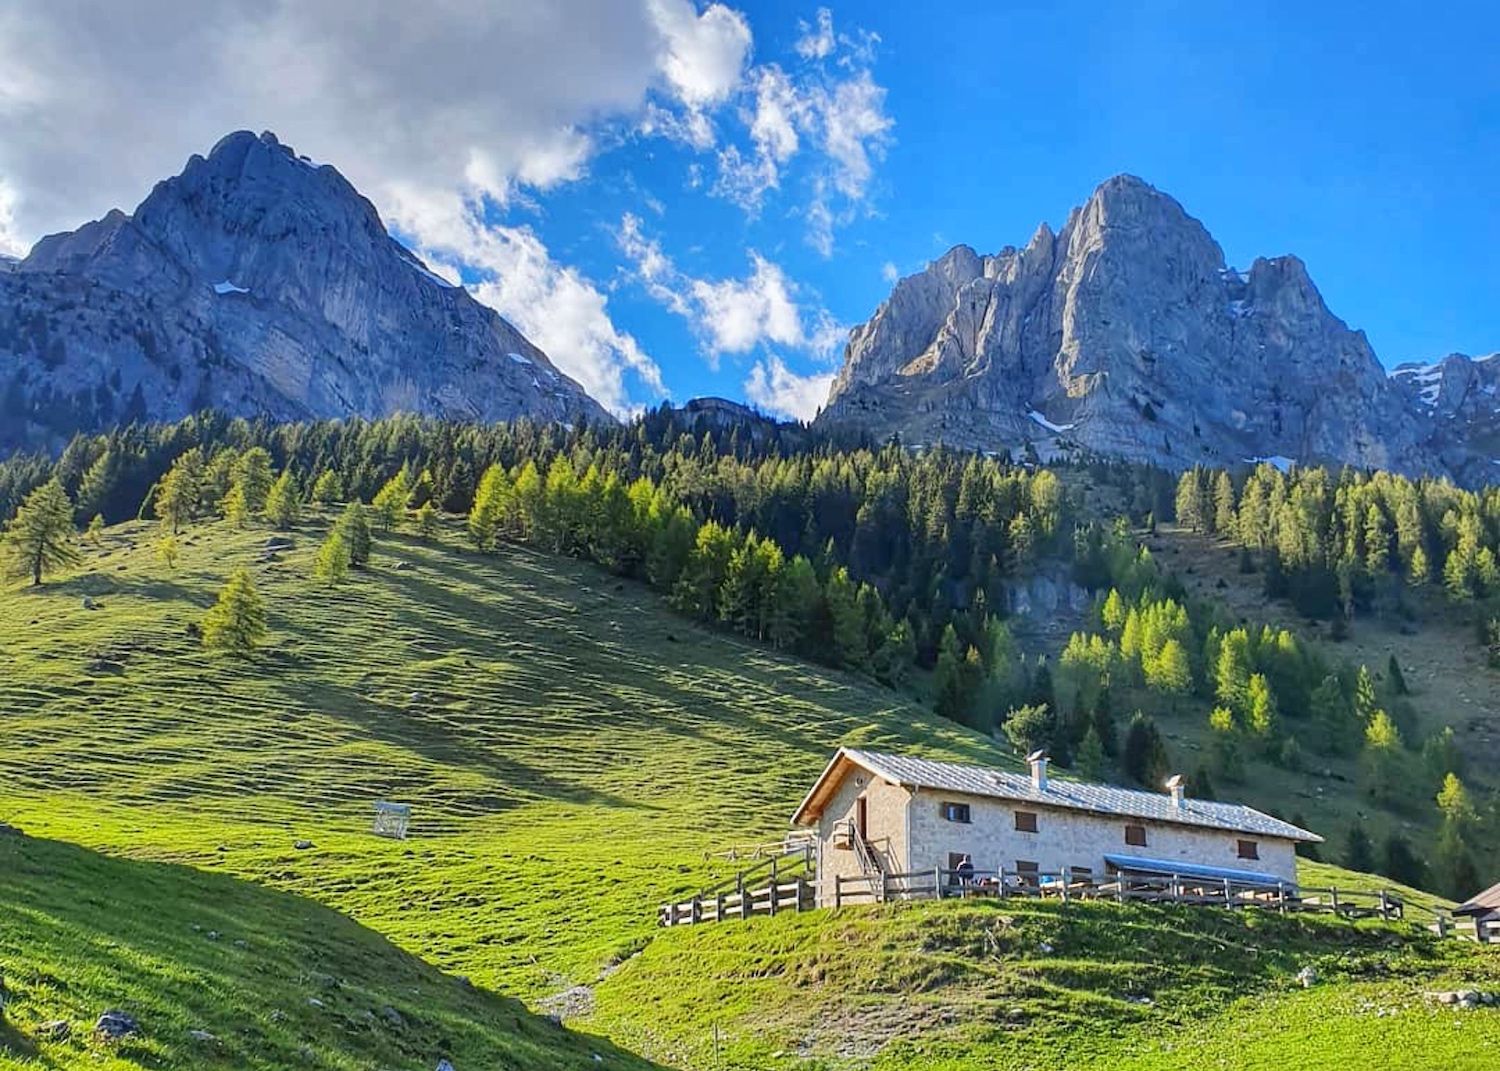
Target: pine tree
column 284, row 501
column 167, row 551
column 1418, row 571
column 427, row 520
column 39, row 539
column 95, row 533
column 236, row 509
column 1397, row 678
column 237, row 622
column 950, row 699
column 355, row 528
column 1358, row 853
column 1112, row 614
column 1199, row 785
column 333, row 561
column 848, row 633
column 328, row 489
column 1232, row 673
column 796, row 598
column 1190, row 508
column 1144, row 755
column 1224, row 745
column 1365, row 700
column 1089, row 762
column 180, row 489
column 1224, row 512
column 252, row 478
column 1030, row 728
column 1382, row 757
column 389, row 505
column 1260, row 716
column 491, row 501
column 1400, row 863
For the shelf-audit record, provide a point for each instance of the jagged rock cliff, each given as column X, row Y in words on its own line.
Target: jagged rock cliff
column 260, row 284
column 1126, row 334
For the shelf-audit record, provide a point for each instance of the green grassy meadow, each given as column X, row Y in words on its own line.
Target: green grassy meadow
column 574, row 753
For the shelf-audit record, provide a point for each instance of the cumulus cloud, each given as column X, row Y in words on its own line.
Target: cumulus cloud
column 774, row 387
column 438, row 113
column 702, row 54
column 732, row 315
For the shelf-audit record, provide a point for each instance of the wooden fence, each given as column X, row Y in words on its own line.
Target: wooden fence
column 741, row 899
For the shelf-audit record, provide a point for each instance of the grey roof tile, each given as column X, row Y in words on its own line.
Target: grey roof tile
column 1074, row 795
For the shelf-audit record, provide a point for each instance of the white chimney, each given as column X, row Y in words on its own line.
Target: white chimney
column 1175, row 786
column 1038, row 761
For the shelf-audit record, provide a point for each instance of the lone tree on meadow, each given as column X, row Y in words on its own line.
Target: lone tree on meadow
column 354, row 526
column 332, row 563
column 40, row 538
column 237, row 622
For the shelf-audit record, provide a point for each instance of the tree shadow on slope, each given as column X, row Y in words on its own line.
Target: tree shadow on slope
column 220, row 972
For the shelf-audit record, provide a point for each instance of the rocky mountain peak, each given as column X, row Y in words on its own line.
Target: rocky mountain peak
column 260, row 283
column 1126, row 334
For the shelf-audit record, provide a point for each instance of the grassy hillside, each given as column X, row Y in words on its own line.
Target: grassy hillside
column 219, row 972
column 570, row 748
column 573, row 752
column 1026, row 985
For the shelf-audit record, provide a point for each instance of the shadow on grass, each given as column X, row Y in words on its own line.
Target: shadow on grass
column 264, row 972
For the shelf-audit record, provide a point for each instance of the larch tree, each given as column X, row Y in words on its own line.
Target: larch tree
column 237, row 622
column 333, row 560
column 328, row 489
column 427, row 520
column 180, row 490
column 39, row 540
column 1224, row 511
column 389, row 505
column 355, row 528
column 252, row 477
column 284, row 501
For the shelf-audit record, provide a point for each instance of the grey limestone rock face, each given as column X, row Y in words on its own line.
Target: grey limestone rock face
column 260, row 284
column 1127, row 335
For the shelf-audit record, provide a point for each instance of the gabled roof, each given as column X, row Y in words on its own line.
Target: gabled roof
column 1485, row 903
column 1068, row 795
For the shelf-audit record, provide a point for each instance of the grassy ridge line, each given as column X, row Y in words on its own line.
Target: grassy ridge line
column 572, row 749
column 1012, row 985
column 183, row 950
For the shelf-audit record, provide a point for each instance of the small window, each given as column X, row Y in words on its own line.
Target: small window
column 1086, row 872
column 1026, row 871
column 956, row 812
column 1135, row 836
column 1249, row 849
column 1026, row 821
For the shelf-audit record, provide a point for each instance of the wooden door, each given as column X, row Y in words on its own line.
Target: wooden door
column 862, row 817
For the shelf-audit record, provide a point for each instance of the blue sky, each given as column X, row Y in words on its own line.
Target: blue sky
column 674, row 197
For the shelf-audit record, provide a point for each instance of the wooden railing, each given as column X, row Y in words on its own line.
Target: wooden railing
column 794, row 895
column 744, row 896
column 941, row 883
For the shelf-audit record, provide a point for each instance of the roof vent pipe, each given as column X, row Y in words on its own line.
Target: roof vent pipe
column 1038, row 761
column 1176, row 786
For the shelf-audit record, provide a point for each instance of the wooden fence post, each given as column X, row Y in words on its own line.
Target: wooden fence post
column 1442, row 923
column 1120, row 886
column 937, row 883
column 1228, row 894
column 719, row 908
column 1333, row 898
column 1384, row 907
column 1000, row 880
column 838, row 891
column 775, row 891
column 747, row 898
column 1067, row 879
column 695, row 911
column 1481, row 933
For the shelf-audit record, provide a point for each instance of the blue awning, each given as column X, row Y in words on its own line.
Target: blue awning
column 1135, row 864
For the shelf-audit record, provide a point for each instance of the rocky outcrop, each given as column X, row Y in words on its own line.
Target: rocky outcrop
column 1458, row 399
column 1126, row 334
column 260, row 284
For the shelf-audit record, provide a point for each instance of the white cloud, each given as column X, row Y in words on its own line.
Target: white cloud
column 816, row 43
column 10, row 242
column 830, row 113
column 889, row 272
column 702, row 55
column 730, row 315
column 774, row 387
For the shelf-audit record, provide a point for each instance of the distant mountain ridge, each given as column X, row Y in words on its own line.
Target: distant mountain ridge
column 1126, row 334
column 261, row 284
